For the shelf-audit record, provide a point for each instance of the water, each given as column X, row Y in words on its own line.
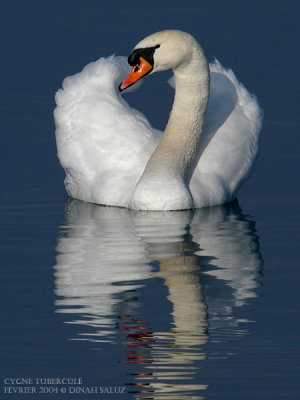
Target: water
column 182, row 305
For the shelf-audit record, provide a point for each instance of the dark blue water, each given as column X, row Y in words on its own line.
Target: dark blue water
column 185, row 305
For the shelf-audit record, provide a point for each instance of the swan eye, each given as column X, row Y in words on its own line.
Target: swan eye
column 146, row 53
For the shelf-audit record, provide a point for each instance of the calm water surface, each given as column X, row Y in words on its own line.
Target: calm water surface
column 200, row 304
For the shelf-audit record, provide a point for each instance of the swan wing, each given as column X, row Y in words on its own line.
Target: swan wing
column 103, row 144
column 229, row 143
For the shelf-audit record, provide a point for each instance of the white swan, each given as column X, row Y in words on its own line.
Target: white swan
column 111, row 154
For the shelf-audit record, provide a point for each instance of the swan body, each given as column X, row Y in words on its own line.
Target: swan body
column 112, row 155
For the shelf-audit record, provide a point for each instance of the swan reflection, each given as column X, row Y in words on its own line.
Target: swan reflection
column 207, row 259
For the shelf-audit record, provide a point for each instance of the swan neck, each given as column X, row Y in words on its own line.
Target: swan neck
column 165, row 181
column 178, row 147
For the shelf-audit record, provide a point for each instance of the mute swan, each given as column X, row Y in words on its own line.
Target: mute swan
column 111, row 154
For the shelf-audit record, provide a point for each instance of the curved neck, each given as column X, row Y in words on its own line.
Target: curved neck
column 177, row 150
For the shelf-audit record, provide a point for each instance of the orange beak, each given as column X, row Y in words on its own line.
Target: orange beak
column 136, row 74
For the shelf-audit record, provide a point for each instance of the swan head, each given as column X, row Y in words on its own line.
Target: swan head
column 169, row 49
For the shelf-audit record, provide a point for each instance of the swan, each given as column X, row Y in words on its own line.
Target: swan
column 111, row 154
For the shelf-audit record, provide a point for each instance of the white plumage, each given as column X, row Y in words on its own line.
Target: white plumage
column 104, row 145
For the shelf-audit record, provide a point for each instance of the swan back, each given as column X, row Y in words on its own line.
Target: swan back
column 103, row 144
column 229, row 144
